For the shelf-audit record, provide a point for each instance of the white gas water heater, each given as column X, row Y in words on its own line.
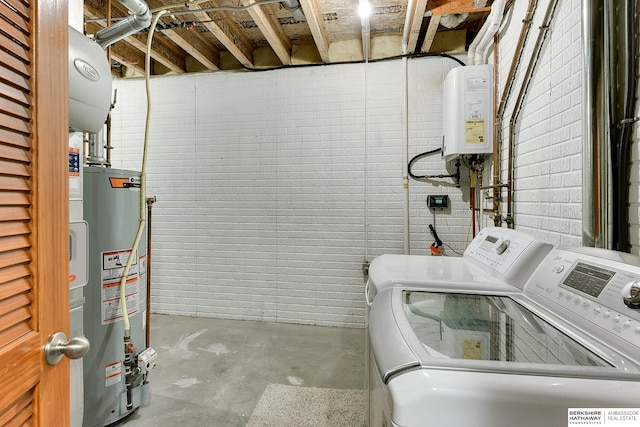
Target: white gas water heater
column 111, row 381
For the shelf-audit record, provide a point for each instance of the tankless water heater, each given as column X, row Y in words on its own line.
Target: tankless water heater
column 468, row 111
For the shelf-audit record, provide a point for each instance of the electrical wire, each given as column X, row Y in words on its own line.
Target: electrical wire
column 371, row 61
column 143, row 183
column 452, row 250
column 214, row 9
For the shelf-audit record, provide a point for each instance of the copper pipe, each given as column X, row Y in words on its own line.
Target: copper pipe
column 524, row 33
column 517, row 108
column 108, row 146
column 494, row 186
column 472, row 201
column 498, row 126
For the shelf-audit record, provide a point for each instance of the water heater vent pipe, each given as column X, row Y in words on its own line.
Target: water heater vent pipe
column 480, row 44
column 139, row 19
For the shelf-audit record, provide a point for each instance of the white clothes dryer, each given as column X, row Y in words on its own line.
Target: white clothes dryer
column 506, row 355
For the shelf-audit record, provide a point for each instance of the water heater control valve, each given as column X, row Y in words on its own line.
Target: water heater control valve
column 147, row 360
column 631, row 294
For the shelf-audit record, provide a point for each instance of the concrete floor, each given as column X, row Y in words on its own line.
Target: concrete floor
column 212, row 372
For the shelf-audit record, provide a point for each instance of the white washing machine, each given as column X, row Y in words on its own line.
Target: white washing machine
column 495, row 255
column 496, row 258
column 502, row 355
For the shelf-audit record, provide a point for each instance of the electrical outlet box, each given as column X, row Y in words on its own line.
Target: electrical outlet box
column 438, row 201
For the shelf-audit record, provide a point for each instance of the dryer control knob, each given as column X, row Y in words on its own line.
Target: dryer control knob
column 631, row 295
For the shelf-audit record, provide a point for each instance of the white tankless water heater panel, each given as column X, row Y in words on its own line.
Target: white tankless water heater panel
column 468, row 111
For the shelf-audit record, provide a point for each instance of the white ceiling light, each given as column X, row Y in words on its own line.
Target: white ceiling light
column 364, row 9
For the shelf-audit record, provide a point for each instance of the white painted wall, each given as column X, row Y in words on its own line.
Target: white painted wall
column 260, row 179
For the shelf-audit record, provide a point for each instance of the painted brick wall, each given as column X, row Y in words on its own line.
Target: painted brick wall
column 547, row 144
column 273, row 188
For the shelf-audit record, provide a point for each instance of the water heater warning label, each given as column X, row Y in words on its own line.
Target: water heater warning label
column 112, row 373
column 474, row 131
column 113, row 265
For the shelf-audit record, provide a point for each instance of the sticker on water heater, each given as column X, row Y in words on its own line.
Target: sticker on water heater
column 116, row 260
column 74, row 161
column 111, row 308
column 474, row 131
column 131, row 182
column 143, row 264
column 113, row 265
column 472, row 349
column 112, row 373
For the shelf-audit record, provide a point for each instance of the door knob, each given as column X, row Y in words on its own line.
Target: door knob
column 58, row 346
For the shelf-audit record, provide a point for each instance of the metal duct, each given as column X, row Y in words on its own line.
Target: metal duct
column 596, row 151
column 95, row 149
column 293, row 6
column 139, row 19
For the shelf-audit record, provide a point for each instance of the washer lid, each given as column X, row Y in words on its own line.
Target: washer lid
column 489, row 327
column 478, row 332
column 388, row 271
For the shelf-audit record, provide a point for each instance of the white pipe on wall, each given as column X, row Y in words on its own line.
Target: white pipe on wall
column 471, row 54
column 492, row 24
column 405, row 125
column 405, row 152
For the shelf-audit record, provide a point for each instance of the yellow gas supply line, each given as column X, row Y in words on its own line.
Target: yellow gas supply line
column 143, row 185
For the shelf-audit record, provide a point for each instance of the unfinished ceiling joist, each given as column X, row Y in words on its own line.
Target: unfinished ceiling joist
column 272, row 30
column 313, row 13
column 228, row 34
column 416, row 23
column 434, row 22
column 203, row 51
column 447, row 7
column 169, row 56
column 219, row 23
column 191, row 41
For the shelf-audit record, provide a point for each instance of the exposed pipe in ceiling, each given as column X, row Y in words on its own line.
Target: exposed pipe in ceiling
column 293, row 6
column 139, row 19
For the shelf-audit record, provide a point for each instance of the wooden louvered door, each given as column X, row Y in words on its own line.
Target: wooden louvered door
column 34, row 299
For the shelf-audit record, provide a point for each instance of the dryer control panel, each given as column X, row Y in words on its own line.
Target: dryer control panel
column 593, row 284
